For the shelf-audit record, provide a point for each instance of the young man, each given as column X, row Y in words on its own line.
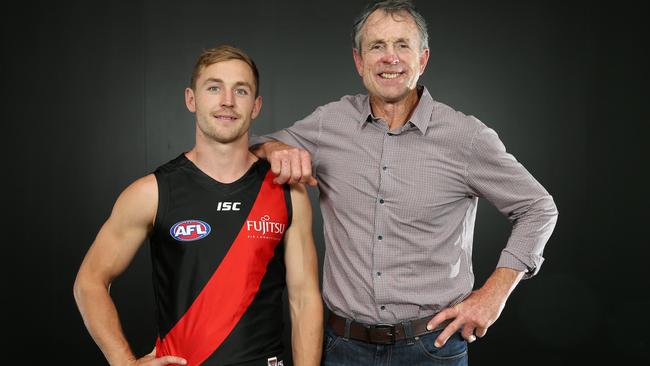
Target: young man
column 222, row 238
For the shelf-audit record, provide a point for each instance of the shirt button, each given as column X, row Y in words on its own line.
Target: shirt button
column 380, row 237
column 381, row 200
column 382, row 307
column 384, row 168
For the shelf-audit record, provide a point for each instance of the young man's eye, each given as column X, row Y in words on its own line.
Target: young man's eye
column 241, row 92
column 213, row 88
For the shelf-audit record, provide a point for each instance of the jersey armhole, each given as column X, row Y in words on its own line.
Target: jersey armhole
column 163, row 200
column 288, row 204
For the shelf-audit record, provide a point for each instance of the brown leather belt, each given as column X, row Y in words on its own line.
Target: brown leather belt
column 379, row 333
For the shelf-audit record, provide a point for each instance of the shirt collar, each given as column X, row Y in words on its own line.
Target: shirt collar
column 421, row 115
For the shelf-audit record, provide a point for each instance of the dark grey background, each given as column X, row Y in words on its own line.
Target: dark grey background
column 92, row 99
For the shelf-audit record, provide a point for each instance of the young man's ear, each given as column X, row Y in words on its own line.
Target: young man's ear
column 190, row 101
column 257, row 107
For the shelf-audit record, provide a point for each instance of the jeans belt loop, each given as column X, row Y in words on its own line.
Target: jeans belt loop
column 346, row 331
column 408, row 332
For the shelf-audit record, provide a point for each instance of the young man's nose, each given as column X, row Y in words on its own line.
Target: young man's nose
column 228, row 99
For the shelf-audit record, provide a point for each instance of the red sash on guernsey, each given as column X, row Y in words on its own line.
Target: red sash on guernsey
column 232, row 287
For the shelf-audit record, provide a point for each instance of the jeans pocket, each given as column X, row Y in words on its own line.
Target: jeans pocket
column 330, row 341
column 455, row 348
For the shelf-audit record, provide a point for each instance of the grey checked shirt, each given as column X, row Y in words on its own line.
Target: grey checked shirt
column 399, row 206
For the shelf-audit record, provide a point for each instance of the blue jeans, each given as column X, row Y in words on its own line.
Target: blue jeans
column 339, row 351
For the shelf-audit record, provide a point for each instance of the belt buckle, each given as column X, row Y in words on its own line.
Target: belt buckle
column 391, row 333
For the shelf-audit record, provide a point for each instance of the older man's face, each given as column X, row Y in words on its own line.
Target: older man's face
column 390, row 61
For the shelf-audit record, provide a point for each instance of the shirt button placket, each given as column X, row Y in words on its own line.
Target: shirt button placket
column 380, row 225
column 380, row 251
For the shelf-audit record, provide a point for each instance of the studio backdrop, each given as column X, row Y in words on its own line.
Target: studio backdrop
column 92, row 95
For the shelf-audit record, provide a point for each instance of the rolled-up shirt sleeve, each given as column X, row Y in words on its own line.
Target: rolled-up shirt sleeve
column 304, row 134
column 494, row 174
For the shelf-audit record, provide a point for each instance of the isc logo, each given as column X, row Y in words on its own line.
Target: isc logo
column 228, row 206
column 190, row 230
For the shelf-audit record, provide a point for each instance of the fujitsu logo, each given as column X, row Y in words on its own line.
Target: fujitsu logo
column 264, row 228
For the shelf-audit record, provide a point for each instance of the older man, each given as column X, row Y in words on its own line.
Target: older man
column 399, row 176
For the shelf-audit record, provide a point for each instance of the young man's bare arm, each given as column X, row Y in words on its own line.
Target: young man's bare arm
column 114, row 247
column 302, row 283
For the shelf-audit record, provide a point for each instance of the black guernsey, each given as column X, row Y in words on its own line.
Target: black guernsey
column 218, row 264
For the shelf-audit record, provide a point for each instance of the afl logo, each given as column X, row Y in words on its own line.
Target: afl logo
column 190, row 230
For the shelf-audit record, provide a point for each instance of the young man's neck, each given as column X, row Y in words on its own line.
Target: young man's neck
column 225, row 163
column 396, row 114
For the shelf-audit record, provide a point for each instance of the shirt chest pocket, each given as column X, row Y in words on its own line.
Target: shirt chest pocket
column 413, row 187
column 421, row 183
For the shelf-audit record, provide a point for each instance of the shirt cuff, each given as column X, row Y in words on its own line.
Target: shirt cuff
column 529, row 264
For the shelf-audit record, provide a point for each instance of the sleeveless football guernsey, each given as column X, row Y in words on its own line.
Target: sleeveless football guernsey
column 218, row 264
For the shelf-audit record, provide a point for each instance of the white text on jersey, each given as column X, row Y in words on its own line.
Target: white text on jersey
column 228, row 206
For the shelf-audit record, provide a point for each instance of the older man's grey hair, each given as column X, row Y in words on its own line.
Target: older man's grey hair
column 391, row 7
